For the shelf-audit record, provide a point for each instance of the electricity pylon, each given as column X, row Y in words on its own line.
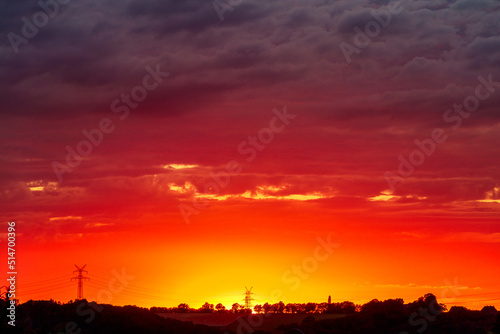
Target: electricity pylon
column 248, row 297
column 80, row 278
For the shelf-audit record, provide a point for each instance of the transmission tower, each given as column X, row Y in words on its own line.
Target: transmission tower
column 80, row 278
column 248, row 297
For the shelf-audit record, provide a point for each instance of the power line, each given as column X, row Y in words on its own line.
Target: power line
column 104, row 283
column 132, row 293
column 479, row 294
column 48, row 281
column 44, row 289
column 474, row 301
column 61, row 289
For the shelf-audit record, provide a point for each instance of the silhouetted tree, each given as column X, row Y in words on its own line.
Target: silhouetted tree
column 347, row 307
column 310, row 307
column 235, row 308
column 289, row 308
column 267, row 308
column 280, row 307
column 489, row 310
column 206, row 308
column 428, row 302
column 220, row 308
column 183, row 308
column 371, row 307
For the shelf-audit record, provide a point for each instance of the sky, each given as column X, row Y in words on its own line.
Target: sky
column 185, row 150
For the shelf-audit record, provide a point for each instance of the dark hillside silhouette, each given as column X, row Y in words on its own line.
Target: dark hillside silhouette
column 424, row 315
column 51, row 317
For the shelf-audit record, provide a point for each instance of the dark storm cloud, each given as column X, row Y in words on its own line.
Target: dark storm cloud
column 194, row 16
column 90, row 48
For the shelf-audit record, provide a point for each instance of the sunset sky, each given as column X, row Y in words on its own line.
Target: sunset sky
column 203, row 149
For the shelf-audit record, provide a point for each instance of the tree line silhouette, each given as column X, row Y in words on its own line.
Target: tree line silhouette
column 345, row 307
column 424, row 315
